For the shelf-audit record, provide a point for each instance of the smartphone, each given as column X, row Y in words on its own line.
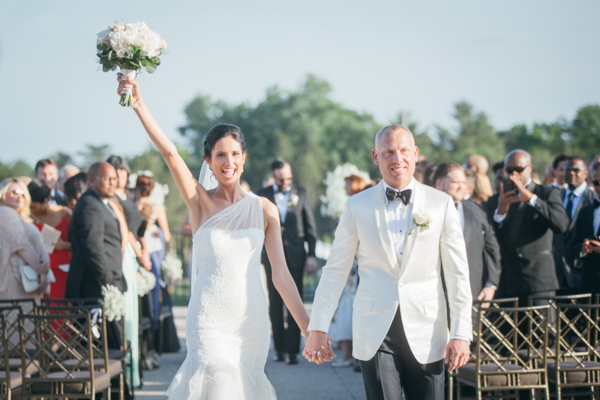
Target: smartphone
column 594, row 238
column 510, row 186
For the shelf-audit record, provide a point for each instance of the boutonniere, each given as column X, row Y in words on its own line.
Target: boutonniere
column 294, row 199
column 421, row 220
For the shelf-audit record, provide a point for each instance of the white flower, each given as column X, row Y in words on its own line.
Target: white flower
column 113, row 302
column 146, row 282
column 171, row 269
column 421, row 220
column 335, row 197
column 294, row 199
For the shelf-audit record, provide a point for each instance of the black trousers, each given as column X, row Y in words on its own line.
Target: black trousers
column 394, row 368
column 285, row 340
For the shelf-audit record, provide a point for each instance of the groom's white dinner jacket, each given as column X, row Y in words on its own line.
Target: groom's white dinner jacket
column 415, row 284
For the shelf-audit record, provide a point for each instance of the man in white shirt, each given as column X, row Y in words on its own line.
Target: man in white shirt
column 403, row 234
column 47, row 172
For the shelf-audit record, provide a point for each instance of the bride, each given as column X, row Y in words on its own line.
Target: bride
column 227, row 325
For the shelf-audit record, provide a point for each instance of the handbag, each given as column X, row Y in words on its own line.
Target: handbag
column 31, row 281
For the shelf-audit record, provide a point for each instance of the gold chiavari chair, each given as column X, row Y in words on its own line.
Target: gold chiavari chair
column 10, row 381
column 58, row 340
column 499, row 370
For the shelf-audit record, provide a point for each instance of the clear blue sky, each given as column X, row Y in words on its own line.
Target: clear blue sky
column 518, row 61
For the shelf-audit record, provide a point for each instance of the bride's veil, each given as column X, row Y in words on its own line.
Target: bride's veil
column 207, row 178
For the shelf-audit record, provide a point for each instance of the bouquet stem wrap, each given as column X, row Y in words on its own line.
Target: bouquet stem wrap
column 126, row 100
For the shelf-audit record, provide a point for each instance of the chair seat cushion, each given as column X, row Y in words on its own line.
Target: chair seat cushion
column 15, row 379
column 79, row 383
column 469, row 373
column 115, row 367
column 15, row 365
column 573, row 372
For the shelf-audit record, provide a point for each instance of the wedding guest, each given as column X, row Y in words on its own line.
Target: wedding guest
column 156, row 236
column 499, row 175
column 130, row 220
column 428, row 176
column 558, row 166
column 74, row 188
column 341, row 324
column 595, row 159
column 47, row 172
column 19, row 245
column 64, row 174
column 59, row 218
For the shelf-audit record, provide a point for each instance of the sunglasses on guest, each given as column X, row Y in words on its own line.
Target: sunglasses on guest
column 518, row 170
column 17, row 192
column 596, row 183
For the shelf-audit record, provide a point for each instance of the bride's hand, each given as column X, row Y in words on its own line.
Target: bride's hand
column 126, row 83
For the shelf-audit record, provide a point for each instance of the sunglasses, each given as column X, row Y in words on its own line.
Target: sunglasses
column 282, row 180
column 17, row 192
column 108, row 179
column 518, row 170
column 596, row 183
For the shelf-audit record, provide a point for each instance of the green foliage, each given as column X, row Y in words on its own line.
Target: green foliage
column 138, row 59
column 15, row 169
column 585, row 131
column 93, row 154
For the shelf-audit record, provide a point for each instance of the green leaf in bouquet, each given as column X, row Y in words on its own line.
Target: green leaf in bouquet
column 105, row 68
column 155, row 60
column 143, row 54
column 103, row 46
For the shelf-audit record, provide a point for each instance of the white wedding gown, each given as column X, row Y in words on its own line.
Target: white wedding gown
column 227, row 324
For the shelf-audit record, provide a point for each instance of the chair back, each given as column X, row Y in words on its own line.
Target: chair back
column 510, row 341
column 63, row 357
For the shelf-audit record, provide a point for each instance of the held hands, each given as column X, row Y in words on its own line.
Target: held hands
column 318, row 347
column 506, row 199
column 457, row 354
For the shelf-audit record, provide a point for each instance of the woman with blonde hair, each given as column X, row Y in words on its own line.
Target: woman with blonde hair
column 21, row 244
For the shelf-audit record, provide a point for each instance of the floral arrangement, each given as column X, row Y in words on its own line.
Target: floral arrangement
column 113, row 302
column 131, row 47
column 421, row 220
column 171, row 269
column 146, row 281
column 334, row 199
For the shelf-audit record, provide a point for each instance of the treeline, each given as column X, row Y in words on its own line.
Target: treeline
column 315, row 134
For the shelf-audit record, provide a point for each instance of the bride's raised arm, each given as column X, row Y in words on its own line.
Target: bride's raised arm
column 186, row 183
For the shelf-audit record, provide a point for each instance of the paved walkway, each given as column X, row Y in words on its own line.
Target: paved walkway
column 291, row 382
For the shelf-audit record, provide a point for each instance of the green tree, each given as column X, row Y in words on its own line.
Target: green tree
column 585, row 131
column 93, row 154
column 15, row 169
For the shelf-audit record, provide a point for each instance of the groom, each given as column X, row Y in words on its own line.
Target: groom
column 404, row 235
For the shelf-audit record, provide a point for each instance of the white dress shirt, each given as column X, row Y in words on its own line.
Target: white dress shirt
column 281, row 201
column 398, row 217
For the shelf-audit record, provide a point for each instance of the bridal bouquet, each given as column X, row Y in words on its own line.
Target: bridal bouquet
column 132, row 47
column 171, row 269
column 113, row 302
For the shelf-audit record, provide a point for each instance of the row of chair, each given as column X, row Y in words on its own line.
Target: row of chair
column 533, row 348
column 58, row 349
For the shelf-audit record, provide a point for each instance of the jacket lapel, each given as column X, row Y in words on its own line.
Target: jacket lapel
column 382, row 226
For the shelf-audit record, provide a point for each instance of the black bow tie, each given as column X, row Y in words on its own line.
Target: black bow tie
column 403, row 195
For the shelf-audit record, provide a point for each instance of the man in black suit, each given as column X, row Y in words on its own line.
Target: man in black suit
column 95, row 238
column 586, row 242
column 297, row 227
column 525, row 219
column 575, row 197
column 483, row 252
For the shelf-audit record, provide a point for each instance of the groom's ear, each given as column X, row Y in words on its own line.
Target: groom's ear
column 375, row 159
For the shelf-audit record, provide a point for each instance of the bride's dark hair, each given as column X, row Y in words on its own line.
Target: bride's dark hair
column 220, row 131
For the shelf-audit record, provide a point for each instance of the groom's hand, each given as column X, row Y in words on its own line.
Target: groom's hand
column 318, row 347
column 458, row 352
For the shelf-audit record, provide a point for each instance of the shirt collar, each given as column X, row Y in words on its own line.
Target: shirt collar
column 578, row 190
column 411, row 186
